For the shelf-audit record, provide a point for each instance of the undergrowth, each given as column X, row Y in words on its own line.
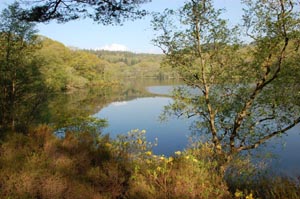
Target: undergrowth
column 86, row 165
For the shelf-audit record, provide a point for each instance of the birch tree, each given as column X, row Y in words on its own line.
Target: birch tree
column 241, row 94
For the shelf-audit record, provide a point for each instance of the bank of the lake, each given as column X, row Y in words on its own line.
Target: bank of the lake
column 281, row 153
column 138, row 103
column 87, row 165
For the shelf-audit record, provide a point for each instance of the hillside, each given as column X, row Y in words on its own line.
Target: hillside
column 133, row 65
column 67, row 68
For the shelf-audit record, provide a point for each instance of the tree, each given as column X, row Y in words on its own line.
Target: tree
column 239, row 90
column 66, row 69
column 101, row 11
column 22, row 91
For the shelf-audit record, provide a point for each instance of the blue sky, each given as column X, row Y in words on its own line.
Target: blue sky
column 133, row 36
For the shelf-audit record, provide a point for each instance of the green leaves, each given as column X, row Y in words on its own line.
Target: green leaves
column 23, row 91
column 241, row 101
column 66, row 69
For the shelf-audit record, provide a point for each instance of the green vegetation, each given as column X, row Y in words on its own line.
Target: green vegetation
column 240, row 94
column 239, row 97
column 134, row 65
column 66, row 69
column 35, row 67
column 85, row 165
column 22, row 89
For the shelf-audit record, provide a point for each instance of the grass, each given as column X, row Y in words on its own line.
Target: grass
column 83, row 165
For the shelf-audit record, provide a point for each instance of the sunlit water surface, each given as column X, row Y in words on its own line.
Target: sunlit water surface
column 173, row 135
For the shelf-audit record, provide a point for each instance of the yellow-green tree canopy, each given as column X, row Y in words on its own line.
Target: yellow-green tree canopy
column 66, row 69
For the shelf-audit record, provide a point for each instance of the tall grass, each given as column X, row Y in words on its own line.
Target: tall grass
column 82, row 165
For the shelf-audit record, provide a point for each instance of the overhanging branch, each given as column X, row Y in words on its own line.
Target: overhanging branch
column 265, row 138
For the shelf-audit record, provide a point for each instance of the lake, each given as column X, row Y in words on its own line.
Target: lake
column 143, row 111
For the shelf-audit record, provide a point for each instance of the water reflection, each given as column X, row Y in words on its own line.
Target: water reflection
column 136, row 105
column 161, row 90
column 82, row 103
column 286, row 151
column 143, row 113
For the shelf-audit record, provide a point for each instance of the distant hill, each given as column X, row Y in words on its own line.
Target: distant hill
column 67, row 69
column 71, row 68
column 134, row 65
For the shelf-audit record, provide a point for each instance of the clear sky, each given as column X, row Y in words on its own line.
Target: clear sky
column 133, row 36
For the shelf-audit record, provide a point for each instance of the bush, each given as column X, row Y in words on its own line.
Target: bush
column 248, row 180
column 40, row 165
column 83, row 165
column 182, row 176
column 265, row 186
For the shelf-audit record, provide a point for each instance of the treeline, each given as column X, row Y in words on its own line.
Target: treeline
column 134, row 65
column 66, row 69
column 81, row 163
column 33, row 68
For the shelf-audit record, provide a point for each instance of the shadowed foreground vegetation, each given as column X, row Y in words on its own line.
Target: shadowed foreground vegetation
column 84, row 165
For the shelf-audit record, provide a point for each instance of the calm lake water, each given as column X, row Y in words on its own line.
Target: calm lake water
column 143, row 113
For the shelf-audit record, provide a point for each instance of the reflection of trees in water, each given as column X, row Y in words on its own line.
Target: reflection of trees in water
column 85, row 102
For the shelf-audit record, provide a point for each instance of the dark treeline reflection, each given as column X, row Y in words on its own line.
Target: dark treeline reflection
column 64, row 108
column 44, row 82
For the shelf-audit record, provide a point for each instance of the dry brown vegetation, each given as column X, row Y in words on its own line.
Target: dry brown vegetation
column 82, row 165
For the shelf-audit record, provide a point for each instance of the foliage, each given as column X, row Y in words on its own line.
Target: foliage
column 76, row 125
column 101, row 11
column 22, row 88
column 133, row 65
column 188, row 174
column 83, row 164
column 43, row 166
column 236, row 91
column 263, row 185
column 66, row 69
column 239, row 89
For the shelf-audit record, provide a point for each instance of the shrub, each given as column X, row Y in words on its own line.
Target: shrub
column 41, row 165
column 83, row 165
column 183, row 176
column 248, row 180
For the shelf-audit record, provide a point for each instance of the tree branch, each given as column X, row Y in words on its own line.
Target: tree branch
column 264, row 139
column 259, row 87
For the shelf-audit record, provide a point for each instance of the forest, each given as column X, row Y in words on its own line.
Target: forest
column 247, row 93
column 66, row 69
